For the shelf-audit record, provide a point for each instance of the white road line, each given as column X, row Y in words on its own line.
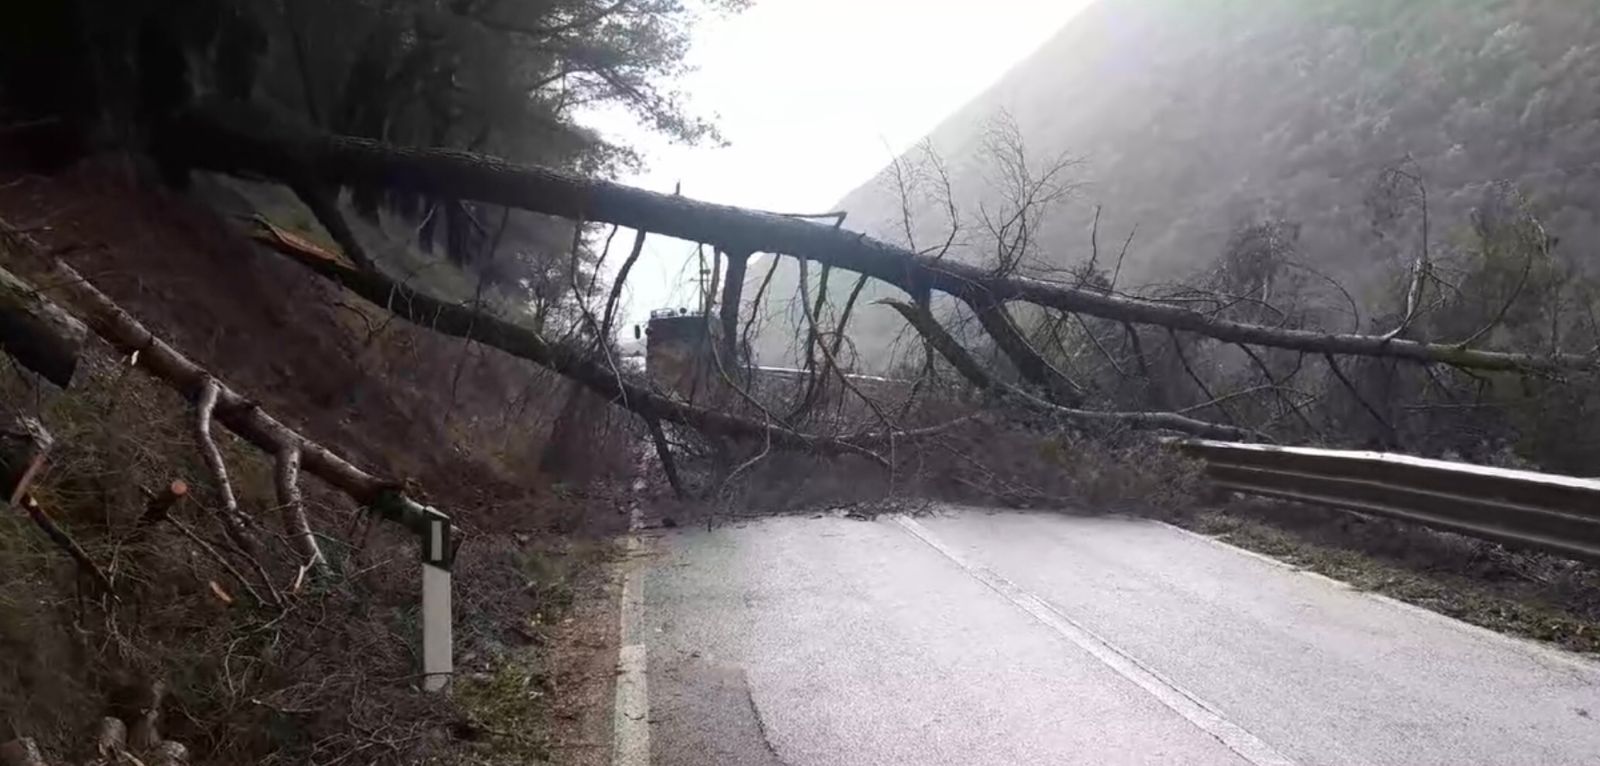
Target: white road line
column 1192, row 708
column 1549, row 656
column 631, row 740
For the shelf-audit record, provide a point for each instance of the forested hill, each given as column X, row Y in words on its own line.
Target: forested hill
column 1193, row 117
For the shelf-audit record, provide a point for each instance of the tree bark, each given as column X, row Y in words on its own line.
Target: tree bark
column 239, row 414
column 1029, row 362
column 732, row 290
column 924, row 323
column 234, row 140
column 617, row 284
column 922, row 320
column 242, row 416
column 669, row 466
column 24, row 444
column 460, row 320
column 37, row 333
column 286, row 475
column 233, row 522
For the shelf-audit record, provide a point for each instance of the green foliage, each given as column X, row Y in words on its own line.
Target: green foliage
column 1508, row 283
column 502, row 77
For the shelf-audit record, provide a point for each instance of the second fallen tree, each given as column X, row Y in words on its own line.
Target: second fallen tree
column 465, row 321
column 923, row 321
column 240, row 414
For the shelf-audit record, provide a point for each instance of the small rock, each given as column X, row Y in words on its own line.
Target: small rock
column 111, row 737
column 168, row 753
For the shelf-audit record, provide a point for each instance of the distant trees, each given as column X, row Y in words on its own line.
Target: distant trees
column 503, row 77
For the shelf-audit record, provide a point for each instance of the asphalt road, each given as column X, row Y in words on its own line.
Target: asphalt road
column 977, row 638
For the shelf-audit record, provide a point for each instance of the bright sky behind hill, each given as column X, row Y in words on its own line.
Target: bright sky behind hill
column 815, row 96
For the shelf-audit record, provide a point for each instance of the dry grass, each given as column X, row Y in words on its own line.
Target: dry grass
column 1528, row 594
column 332, row 677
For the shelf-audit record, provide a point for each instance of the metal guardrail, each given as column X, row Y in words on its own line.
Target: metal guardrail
column 1555, row 513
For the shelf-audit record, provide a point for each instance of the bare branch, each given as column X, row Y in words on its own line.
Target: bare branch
column 236, row 141
column 1266, row 372
column 947, row 346
column 616, row 285
column 732, row 289
column 1333, row 364
column 664, row 454
column 997, row 321
column 65, row 542
column 1177, row 346
column 286, row 475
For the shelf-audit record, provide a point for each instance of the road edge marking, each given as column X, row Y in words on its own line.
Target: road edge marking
column 1196, row 711
column 631, row 712
column 1544, row 650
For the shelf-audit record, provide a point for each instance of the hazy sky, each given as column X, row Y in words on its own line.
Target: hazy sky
column 815, row 96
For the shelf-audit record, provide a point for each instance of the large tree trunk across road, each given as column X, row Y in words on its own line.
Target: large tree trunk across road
column 238, row 140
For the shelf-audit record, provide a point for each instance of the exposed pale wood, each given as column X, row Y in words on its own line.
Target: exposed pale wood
column 160, row 504
column 286, row 475
column 205, row 408
column 232, row 521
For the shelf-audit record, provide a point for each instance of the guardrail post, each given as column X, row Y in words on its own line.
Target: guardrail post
column 438, row 662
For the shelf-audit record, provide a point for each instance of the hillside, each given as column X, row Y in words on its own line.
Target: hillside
column 1192, row 117
column 468, row 426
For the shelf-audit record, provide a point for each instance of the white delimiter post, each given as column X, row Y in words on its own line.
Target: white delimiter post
column 437, row 661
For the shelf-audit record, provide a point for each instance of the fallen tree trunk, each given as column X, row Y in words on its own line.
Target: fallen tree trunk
column 1029, row 362
column 467, row 321
column 732, row 289
column 241, row 415
column 37, row 333
column 923, row 322
column 234, row 140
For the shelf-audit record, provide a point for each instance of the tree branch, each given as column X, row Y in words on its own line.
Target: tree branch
column 1029, row 362
column 458, row 320
column 238, row 141
column 732, row 288
column 941, row 340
